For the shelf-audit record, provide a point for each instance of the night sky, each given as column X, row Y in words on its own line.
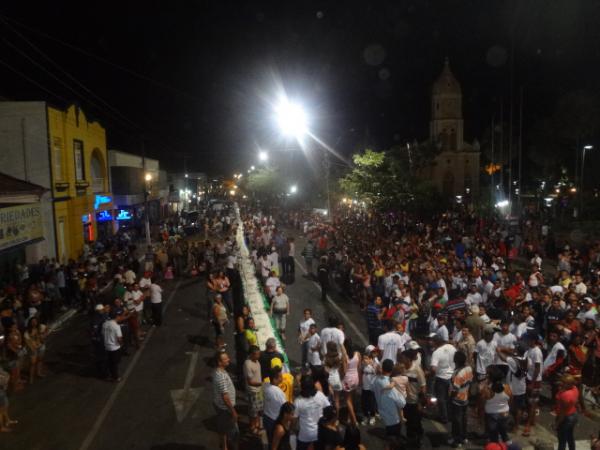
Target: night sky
column 201, row 74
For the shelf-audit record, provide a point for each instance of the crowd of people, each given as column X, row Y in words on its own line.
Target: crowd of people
column 465, row 318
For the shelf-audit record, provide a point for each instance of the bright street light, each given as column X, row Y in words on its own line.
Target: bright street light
column 186, row 175
column 293, row 189
column 148, row 177
column 252, row 167
column 263, row 156
column 291, row 119
column 588, row 147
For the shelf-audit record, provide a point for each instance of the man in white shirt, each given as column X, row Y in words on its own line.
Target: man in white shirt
column 273, row 399
column 534, row 358
column 113, row 339
column 473, row 297
column 308, row 411
column 485, row 353
column 156, row 303
column 554, row 362
column 265, row 267
column 442, row 329
column 442, row 365
column 505, row 343
column 271, row 284
column 304, row 335
column 314, row 347
column 332, row 333
column 389, row 343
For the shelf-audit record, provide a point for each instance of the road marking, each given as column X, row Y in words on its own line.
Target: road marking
column 184, row 399
column 113, row 397
column 337, row 308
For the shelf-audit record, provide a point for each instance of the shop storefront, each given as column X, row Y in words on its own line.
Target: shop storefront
column 20, row 226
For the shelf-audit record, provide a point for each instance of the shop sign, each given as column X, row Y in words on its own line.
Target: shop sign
column 103, row 216
column 124, row 215
column 101, row 200
column 20, row 224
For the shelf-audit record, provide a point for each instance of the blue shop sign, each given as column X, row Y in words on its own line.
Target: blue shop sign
column 103, row 216
column 101, row 200
column 124, row 215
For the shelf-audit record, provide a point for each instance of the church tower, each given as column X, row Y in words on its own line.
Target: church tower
column 446, row 126
column 455, row 170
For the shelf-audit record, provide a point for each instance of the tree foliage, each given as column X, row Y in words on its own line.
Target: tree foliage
column 388, row 179
column 265, row 182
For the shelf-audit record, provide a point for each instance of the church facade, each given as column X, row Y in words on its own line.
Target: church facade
column 455, row 170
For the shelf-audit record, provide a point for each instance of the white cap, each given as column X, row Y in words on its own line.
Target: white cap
column 413, row 345
column 99, row 307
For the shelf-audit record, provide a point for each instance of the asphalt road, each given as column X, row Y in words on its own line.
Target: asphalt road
column 164, row 399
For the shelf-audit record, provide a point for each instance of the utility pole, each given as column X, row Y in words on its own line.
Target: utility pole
column 520, row 149
column 492, row 185
column 510, row 124
column 502, row 145
column 146, row 188
column 327, row 167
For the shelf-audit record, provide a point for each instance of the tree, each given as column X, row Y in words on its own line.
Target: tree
column 388, row 179
column 265, row 183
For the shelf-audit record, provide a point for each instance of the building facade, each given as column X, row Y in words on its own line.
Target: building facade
column 133, row 192
column 64, row 152
column 456, row 169
column 21, row 226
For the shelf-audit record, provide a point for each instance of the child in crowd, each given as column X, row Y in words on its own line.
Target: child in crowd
column 369, row 370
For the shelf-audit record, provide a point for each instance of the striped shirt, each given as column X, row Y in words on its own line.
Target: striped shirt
column 222, row 384
column 461, row 381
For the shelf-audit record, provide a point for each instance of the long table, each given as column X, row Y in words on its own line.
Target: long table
column 254, row 295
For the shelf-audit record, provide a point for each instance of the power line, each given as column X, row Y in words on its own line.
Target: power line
column 101, row 59
column 18, row 72
column 67, row 74
column 50, row 74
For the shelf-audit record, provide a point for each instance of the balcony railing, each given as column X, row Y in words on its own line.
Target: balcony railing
column 97, row 185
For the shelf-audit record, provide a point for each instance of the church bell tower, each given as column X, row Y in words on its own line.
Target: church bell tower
column 446, row 126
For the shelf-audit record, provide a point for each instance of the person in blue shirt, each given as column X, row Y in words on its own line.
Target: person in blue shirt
column 374, row 323
column 389, row 404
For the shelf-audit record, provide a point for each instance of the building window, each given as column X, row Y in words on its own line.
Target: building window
column 78, row 155
column 57, row 153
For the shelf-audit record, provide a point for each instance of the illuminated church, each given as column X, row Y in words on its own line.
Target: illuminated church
column 455, row 170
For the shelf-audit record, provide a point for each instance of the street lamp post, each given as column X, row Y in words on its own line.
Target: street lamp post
column 147, row 188
column 585, row 149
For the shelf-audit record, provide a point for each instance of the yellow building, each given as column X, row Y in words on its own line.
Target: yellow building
column 79, row 173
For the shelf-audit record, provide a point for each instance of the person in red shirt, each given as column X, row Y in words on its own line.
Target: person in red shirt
column 567, row 400
column 578, row 355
